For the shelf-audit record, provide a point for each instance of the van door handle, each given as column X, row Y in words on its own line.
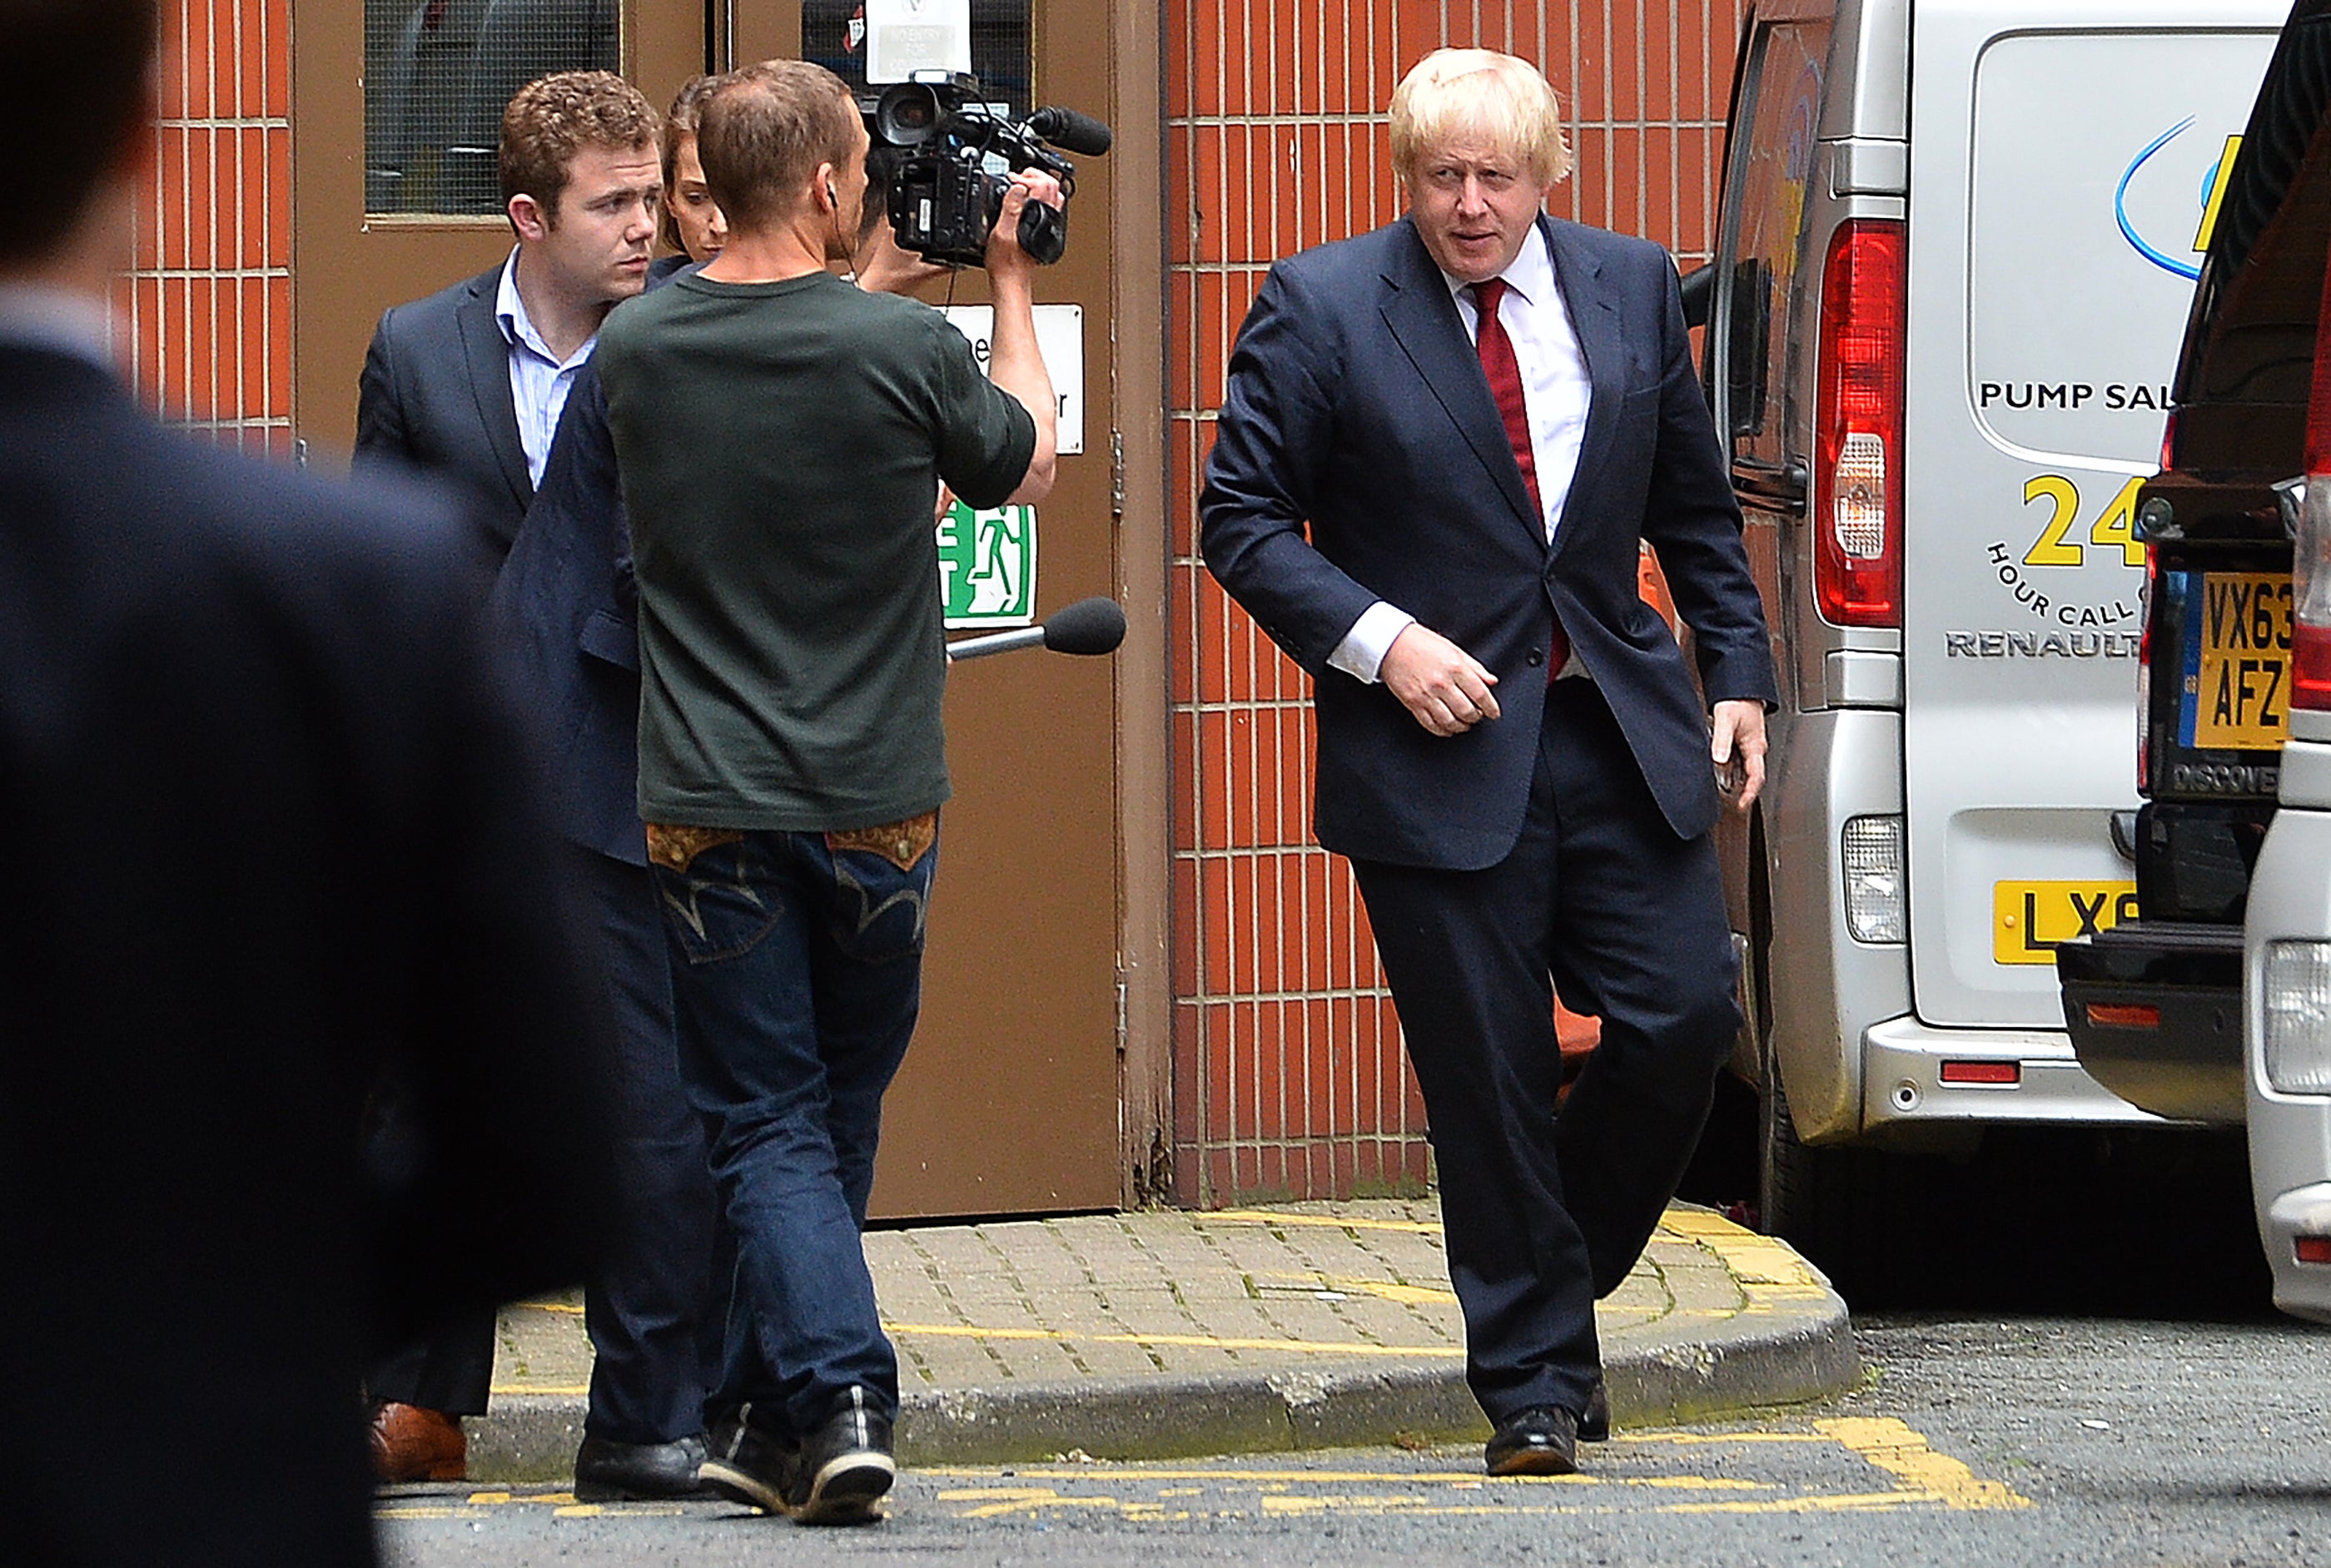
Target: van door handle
column 1775, row 486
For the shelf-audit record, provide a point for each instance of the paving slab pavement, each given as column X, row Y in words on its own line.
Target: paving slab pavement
column 1167, row 1333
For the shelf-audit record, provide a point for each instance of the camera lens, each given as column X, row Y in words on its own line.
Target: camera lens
column 907, row 114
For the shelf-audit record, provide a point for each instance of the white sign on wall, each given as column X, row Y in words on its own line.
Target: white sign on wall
column 904, row 36
column 1060, row 339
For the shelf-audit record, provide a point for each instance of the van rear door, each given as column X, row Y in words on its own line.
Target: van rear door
column 2060, row 170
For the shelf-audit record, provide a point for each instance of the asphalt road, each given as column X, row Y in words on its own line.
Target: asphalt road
column 2102, row 1384
column 2017, row 1440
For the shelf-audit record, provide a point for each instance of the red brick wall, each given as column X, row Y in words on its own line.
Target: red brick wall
column 205, row 318
column 1288, row 1075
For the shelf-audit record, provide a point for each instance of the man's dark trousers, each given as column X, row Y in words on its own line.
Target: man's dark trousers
column 655, row 1310
column 1600, row 899
column 797, row 971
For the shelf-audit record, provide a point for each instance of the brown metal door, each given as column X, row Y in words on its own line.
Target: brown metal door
column 1009, row 1101
column 391, row 180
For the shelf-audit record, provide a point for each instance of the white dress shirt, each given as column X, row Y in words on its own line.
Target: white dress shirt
column 540, row 379
column 1557, row 392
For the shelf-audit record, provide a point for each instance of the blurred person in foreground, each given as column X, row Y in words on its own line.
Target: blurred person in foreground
column 1441, row 446
column 267, row 820
column 781, row 436
column 468, row 384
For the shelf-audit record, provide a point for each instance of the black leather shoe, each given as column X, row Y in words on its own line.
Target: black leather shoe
column 1542, row 1440
column 607, row 1471
column 1594, row 1426
column 748, row 1466
column 845, row 1467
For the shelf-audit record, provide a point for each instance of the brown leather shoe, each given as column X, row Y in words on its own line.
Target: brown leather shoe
column 412, row 1444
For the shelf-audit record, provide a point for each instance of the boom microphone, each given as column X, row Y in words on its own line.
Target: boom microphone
column 1071, row 132
column 1088, row 627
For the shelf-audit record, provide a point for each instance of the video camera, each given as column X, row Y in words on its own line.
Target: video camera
column 947, row 156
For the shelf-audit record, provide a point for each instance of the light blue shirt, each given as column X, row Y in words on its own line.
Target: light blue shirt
column 540, row 379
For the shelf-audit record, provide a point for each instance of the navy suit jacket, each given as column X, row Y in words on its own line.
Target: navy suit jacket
column 435, row 394
column 569, row 605
column 1356, row 405
column 268, row 820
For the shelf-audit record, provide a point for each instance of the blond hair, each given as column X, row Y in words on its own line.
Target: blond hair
column 1454, row 95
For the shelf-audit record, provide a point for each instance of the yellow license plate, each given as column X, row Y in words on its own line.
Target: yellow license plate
column 2238, row 662
column 2029, row 919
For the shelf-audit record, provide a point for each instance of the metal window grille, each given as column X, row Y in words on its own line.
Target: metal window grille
column 438, row 74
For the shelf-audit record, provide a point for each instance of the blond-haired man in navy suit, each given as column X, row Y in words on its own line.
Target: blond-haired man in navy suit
column 1441, row 447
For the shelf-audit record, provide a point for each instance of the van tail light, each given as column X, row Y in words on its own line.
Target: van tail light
column 2310, row 555
column 1858, row 438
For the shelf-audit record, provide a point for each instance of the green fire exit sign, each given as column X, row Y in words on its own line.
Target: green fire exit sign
column 987, row 566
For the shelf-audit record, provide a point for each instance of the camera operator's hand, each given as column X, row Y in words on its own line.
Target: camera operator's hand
column 1013, row 364
column 1004, row 256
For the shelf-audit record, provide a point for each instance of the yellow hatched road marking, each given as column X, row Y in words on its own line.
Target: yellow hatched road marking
column 1833, row 1503
column 1923, row 1477
column 1894, row 1447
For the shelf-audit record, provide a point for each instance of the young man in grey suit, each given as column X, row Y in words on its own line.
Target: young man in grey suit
column 470, row 381
column 469, row 384
column 268, row 821
column 1479, row 413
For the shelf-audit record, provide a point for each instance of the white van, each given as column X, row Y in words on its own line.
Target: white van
column 1957, row 244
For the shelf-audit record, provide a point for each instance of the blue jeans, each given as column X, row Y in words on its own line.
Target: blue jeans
column 797, row 975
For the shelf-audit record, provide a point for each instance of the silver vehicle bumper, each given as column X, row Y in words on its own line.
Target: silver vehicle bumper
column 1824, row 985
column 2289, row 1134
column 1905, row 1079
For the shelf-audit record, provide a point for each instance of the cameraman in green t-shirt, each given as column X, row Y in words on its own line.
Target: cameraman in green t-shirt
column 782, row 437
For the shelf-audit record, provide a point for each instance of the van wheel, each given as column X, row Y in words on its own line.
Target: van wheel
column 1787, row 1192
column 1828, row 1203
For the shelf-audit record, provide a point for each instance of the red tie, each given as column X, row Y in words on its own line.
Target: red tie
column 1505, row 375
